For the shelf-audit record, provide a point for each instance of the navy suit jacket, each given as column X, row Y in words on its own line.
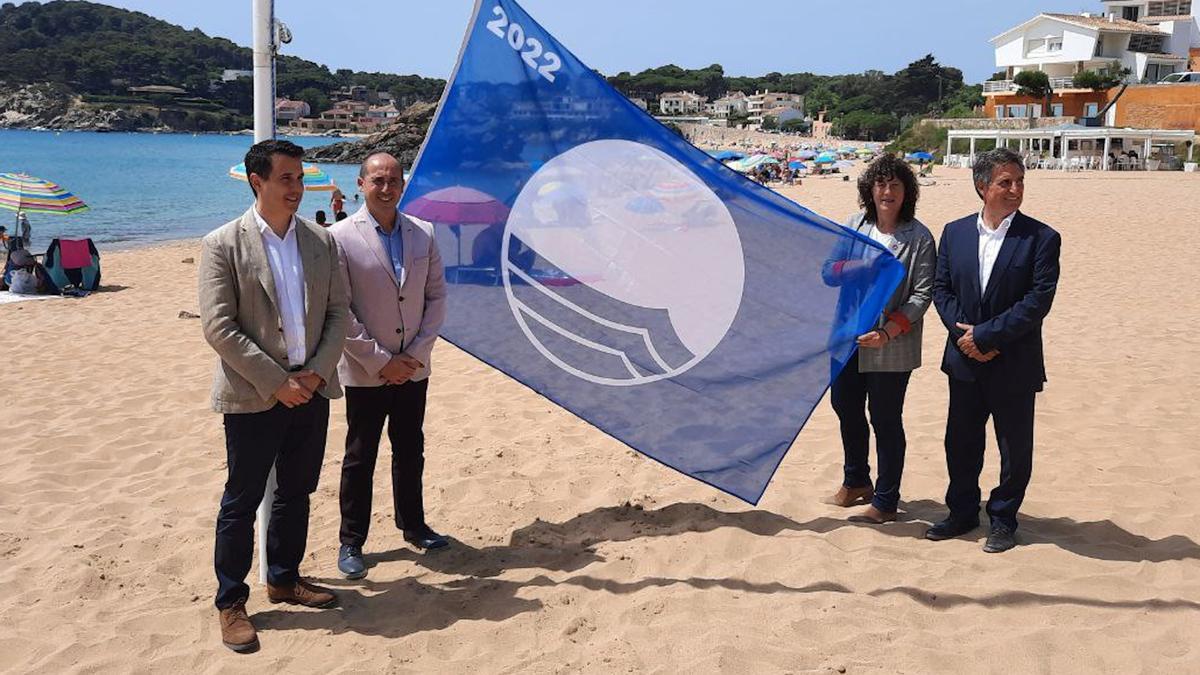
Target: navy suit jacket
column 1008, row 314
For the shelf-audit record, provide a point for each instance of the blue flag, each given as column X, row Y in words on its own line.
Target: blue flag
column 596, row 256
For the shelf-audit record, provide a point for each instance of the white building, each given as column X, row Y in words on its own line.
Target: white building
column 681, row 103
column 1152, row 38
column 731, row 102
column 229, row 74
column 762, row 101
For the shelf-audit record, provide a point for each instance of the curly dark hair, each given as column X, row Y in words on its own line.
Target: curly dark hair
column 883, row 169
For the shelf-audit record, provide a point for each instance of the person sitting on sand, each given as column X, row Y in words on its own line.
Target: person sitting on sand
column 876, row 376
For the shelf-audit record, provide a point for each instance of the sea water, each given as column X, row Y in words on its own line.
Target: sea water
column 145, row 188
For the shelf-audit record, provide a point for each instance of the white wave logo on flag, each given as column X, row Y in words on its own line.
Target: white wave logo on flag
column 674, row 249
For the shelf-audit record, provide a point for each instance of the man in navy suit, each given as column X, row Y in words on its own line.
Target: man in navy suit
column 997, row 271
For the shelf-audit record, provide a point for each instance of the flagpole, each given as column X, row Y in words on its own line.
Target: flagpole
column 263, row 18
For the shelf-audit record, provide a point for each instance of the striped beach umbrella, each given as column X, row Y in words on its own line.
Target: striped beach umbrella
column 315, row 180
column 22, row 192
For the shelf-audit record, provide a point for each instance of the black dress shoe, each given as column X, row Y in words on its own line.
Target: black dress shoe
column 424, row 537
column 949, row 529
column 1000, row 539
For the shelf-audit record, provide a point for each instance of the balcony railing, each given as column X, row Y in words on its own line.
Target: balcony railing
column 1006, row 86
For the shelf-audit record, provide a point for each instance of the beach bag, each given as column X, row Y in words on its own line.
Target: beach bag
column 72, row 262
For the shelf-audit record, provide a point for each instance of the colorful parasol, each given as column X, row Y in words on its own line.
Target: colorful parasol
column 22, row 192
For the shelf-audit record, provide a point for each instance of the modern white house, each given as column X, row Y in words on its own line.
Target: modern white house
column 681, row 103
column 1151, row 38
column 761, row 101
column 731, row 102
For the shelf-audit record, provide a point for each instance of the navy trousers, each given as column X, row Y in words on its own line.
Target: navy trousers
column 882, row 394
column 402, row 406
column 971, row 404
column 293, row 441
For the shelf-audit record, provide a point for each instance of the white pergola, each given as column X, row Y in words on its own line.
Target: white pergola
column 1061, row 136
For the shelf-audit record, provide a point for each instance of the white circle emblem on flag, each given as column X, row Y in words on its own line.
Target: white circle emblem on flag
column 647, row 267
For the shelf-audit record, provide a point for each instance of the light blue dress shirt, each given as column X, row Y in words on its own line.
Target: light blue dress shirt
column 393, row 243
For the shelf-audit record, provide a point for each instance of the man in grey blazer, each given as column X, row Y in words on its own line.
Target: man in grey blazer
column 392, row 273
column 273, row 307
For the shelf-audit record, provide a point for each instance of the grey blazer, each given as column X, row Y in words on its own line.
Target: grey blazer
column 240, row 316
column 917, row 250
column 388, row 315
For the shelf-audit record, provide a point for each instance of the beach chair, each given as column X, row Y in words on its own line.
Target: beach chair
column 73, row 263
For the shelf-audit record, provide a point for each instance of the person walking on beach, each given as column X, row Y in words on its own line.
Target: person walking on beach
column 997, row 273
column 393, row 274
column 273, row 307
column 877, row 375
column 23, row 229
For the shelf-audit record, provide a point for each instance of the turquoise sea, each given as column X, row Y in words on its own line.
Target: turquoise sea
column 144, row 188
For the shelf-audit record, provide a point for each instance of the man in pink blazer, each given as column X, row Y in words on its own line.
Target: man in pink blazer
column 393, row 274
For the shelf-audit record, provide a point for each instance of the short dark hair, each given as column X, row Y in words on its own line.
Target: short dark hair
column 341, row 215
column 987, row 163
column 883, row 169
column 258, row 158
column 320, row 216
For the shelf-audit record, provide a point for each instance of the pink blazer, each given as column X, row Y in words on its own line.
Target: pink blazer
column 388, row 315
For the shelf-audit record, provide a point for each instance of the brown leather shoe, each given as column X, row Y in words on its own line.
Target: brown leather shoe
column 237, row 632
column 874, row 516
column 301, row 593
column 848, row 496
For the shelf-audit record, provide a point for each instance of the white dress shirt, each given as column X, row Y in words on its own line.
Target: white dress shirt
column 288, row 272
column 990, row 242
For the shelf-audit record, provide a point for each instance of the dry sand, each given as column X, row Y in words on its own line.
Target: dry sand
column 574, row 553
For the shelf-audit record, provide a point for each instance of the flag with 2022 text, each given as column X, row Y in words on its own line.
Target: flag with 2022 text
column 596, row 256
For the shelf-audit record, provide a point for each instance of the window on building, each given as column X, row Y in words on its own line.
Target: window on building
column 1169, row 8
column 1054, row 45
column 999, row 112
column 1155, row 72
column 1019, row 110
column 1091, row 109
column 1152, row 44
column 1056, row 110
column 1130, row 13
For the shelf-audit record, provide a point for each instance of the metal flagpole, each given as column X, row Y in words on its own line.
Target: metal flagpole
column 263, row 17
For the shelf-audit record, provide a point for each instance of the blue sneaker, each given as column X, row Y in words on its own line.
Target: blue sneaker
column 351, row 563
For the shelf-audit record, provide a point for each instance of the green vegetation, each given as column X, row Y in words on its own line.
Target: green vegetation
column 885, row 103
column 1101, row 80
column 1035, row 84
column 102, row 51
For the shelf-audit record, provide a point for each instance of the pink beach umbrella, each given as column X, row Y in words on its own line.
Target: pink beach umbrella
column 458, row 205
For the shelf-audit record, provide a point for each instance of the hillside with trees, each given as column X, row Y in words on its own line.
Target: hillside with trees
column 870, row 105
column 99, row 52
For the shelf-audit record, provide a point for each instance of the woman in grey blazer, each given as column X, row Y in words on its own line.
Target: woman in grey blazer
column 876, row 376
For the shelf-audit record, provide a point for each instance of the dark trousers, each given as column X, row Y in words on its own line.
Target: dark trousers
column 883, row 395
column 402, row 406
column 293, row 441
column 971, row 403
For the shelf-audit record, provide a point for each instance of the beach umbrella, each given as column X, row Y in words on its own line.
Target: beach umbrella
column 315, row 179
column 863, row 152
column 826, row 158
column 797, row 164
column 725, row 155
column 843, row 165
column 458, row 205
column 806, row 154
column 22, row 192
column 919, row 157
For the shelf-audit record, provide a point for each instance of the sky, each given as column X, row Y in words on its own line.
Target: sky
column 829, row 38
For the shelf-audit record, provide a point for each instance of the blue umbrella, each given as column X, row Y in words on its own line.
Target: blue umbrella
column 797, row 164
column 826, row 158
column 723, row 155
column 919, row 156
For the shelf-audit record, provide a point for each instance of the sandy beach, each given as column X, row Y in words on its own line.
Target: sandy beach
column 574, row 553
